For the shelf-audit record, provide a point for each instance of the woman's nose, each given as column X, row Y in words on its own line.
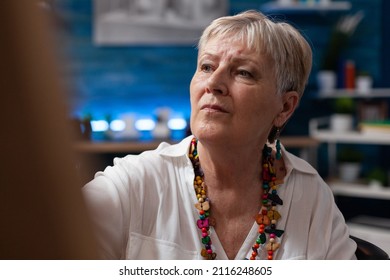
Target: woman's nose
column 217, row 82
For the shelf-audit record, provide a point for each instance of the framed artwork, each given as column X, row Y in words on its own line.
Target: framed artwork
column 153, row 22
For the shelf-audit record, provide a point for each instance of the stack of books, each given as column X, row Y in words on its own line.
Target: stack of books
column 375, row 127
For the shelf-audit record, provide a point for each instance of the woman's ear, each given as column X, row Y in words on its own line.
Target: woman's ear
column 290, row 101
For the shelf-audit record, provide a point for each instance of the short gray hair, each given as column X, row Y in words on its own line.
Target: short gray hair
column 281, row 41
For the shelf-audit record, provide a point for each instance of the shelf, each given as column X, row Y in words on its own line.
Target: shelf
column 275, row 6
column 374, row 93
column 359, row 190
column 102, row 147
column 332, row 139
column 115, row 147
column 356, row 137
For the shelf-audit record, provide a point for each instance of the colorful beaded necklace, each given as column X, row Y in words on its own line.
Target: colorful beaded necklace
column 266, row 219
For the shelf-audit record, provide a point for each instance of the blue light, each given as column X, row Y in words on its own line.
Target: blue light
column 177, row 124
column 99, row 125
column 145, row 124
column 117, row 125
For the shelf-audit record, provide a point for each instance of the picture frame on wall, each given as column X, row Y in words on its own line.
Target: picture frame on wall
column 153, row 22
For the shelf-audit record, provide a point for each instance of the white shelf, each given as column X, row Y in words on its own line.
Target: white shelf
column 275, row 6
column 356, row 137
column 374, row 93
column 360, row 190
column 332, row 139
column 376, row 235
column 319, row 130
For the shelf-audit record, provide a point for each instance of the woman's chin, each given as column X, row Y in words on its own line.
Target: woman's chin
column 209, row 133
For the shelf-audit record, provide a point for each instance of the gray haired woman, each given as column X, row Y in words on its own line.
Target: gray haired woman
column 230, row 190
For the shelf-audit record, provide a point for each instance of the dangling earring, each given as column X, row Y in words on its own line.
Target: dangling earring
column 277, row 145
column 278, row 150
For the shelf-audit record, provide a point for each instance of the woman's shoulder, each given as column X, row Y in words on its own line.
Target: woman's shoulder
column 148, row 163
column 294, row 162
column 305, row 176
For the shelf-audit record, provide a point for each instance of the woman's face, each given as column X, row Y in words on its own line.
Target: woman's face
column 233, row 94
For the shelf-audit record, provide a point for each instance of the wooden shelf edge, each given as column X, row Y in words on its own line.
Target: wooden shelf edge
column 140, row 146
column 116, row 147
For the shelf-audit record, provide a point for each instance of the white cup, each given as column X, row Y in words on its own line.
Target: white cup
column 363, row 84
column 326, row 80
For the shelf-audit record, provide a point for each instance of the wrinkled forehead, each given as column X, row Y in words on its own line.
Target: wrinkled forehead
column 250, row 40
column 236, row 51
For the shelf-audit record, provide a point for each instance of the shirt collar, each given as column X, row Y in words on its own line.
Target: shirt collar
column 180, row 149
column 176, row 150
column 293, row 162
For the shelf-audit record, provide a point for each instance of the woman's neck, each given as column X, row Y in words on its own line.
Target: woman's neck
column 228, row 168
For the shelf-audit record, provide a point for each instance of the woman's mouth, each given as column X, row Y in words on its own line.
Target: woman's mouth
column 213, row 108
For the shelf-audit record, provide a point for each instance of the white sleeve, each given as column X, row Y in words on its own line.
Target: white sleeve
column 329, row 234
column 107, row 208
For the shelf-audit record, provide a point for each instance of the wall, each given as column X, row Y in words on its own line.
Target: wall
column 109, row 81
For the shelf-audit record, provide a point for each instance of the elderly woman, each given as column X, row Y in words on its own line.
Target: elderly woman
column 231, row 190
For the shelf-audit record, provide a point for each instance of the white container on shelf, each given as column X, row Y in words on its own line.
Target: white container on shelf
column 363, row 84
column 349, row 171
column 326, row 81
column 341, row 122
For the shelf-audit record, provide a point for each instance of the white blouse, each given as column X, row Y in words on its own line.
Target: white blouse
column 143, row 208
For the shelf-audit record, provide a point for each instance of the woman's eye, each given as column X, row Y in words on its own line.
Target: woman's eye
column 244, row 73
column 206, row 68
